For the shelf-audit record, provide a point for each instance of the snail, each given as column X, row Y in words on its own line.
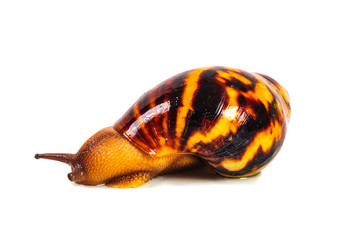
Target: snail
column 229, row 119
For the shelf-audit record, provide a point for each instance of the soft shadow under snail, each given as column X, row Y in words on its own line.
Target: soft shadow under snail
column 229, row 119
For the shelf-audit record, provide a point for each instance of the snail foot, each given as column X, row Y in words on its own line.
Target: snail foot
column 133, row 180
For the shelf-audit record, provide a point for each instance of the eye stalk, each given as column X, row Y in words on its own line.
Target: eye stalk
column 67, row 158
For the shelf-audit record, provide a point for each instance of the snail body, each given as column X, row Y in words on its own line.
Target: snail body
column 230, row 119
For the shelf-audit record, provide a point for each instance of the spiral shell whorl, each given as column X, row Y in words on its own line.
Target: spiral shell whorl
column 234, row 120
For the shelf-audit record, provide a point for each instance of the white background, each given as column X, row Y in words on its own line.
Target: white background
column 70, row 68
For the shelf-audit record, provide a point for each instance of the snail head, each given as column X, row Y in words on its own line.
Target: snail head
column 96, row 161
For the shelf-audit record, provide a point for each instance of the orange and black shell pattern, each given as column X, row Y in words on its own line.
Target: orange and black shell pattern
column 234, row 120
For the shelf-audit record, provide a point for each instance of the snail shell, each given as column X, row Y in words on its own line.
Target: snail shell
column 234, row 120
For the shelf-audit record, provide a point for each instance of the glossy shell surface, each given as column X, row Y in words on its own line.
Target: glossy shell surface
column 234, row 120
